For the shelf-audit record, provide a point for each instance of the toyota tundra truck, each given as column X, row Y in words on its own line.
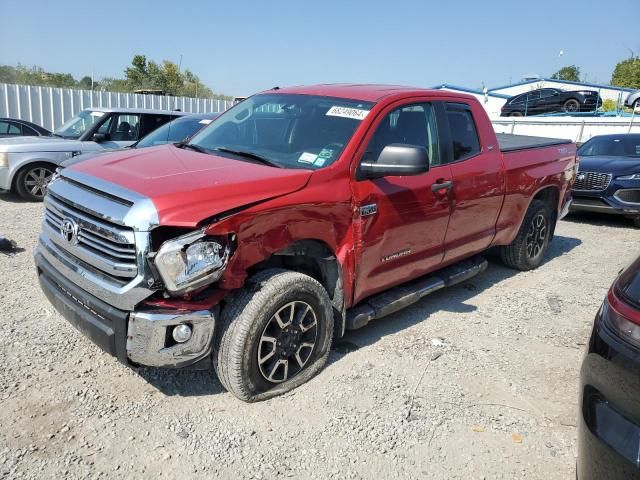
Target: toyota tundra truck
column 297, row 215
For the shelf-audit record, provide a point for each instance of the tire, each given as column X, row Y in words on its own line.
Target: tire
column 515, row 114
column 527, row 250
column 571, row 105
column 248, row 364
column 636, row 222
column 31, row 181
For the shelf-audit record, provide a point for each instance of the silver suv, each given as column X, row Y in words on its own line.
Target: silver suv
column 28, row 163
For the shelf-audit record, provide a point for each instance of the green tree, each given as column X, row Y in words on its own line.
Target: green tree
column 141, row 74
column 86, row 83
column 627, row 73
column 570, row 72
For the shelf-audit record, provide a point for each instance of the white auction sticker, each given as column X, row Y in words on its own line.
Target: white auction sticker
column 205, row 121
column 346, row 112
column 97, row 114
column 307, row 157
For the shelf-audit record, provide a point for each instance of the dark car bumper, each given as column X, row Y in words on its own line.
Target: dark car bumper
column 609, row 425
column 621, row 197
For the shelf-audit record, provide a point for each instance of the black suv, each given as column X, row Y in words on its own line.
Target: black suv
column 549, row 100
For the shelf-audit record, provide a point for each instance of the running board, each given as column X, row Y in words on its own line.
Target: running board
column 397, row 298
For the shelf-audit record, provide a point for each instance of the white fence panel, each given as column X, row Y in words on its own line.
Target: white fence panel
column 51, row 107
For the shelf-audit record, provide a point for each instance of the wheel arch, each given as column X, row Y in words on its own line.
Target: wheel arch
column 13, row 175
column 550, row 195
column 314, row 258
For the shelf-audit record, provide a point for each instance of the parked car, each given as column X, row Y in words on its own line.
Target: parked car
column 28, row 163
column 296, row 215
column 608, row 179
column 609, row 408
column 549, row 100
column 174, row 131
column 11, row 127
column 633, row 100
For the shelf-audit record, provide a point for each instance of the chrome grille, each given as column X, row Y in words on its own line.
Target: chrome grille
column 592, row 181
column 107, row 247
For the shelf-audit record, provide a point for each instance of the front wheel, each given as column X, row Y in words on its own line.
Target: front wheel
column 527, row 251
column 31, row 181
column 571, row 105
column 275, row 334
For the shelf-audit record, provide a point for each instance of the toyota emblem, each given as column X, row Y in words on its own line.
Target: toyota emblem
column 581, row 176
column 69, row 231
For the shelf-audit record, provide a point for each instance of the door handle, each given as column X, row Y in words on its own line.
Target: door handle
column 441, row 185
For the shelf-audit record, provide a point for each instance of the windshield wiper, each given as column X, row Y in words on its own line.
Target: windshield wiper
column 192, row 147
column 251, row 155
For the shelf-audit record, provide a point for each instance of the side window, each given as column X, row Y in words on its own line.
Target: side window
column 13, row 129
column 464, row 136
column 412, row 125
column 124, row 127
column 4, row 128
column 150, row 122
column 518, row 100
column 28, row 131
column 533, row 96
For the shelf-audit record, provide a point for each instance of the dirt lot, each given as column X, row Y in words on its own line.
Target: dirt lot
column 500, row 401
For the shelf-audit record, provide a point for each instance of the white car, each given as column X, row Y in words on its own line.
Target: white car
column 28, row 163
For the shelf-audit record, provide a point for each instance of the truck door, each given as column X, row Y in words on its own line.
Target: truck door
column 400, row 222
column 478, row 182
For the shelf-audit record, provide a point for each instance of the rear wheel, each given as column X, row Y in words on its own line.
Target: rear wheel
column 516, row 114
column 275, row 335
column 31, row 181
column 571, row 105
column 636, row 222
column 527, row 251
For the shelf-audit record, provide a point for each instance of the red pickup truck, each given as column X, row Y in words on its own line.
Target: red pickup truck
column 296, row 215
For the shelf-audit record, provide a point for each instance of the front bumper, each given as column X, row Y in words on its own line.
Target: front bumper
column 136, row 338
column 609, row 426
column 611, row 200
column 5, row 182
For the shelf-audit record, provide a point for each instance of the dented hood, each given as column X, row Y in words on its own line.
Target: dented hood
column 186, row 186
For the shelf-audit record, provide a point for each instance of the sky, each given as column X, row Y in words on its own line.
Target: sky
column 242, row 47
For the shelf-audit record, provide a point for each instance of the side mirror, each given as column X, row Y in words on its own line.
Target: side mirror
column 397, row 160
column 100, row 137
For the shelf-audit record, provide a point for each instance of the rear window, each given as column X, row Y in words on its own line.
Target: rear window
column 463, row 132
column 628, row 284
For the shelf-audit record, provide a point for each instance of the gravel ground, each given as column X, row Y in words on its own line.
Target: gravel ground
column 477, row 381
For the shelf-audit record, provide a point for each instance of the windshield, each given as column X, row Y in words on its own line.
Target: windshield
column 79, row 124
column 285, row 130
column 176, row 131
column 618, row 146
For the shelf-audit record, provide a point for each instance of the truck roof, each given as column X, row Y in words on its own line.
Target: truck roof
column 367, row 92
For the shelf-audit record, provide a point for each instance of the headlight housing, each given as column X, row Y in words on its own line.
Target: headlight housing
column 191, row 261
column 635, row 176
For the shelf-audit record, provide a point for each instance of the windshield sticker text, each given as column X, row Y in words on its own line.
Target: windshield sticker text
column 346, row 112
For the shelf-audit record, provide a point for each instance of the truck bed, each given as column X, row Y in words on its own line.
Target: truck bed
column 509, row 142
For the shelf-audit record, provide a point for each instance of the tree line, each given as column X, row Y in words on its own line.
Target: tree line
column 142, row 74
column 626, row 73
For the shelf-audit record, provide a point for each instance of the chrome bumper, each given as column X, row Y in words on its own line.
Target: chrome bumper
column 565, row 209
column 5, row 184
column 148, row 333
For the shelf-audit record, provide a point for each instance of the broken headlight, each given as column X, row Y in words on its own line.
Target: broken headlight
column 191, row 261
